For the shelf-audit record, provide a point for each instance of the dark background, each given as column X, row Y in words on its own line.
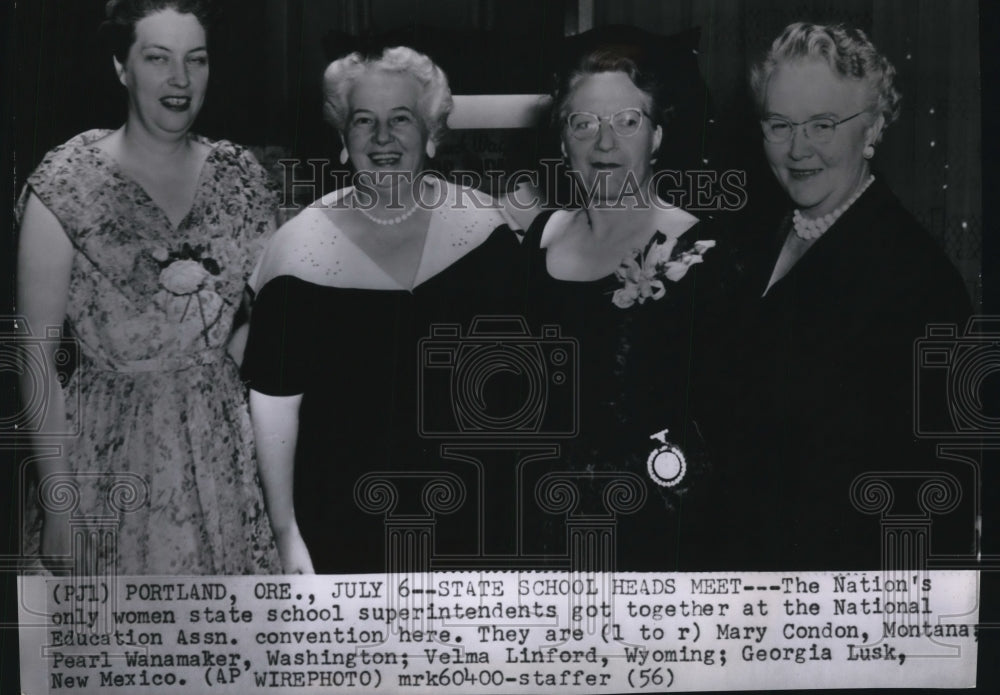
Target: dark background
column 269, row 54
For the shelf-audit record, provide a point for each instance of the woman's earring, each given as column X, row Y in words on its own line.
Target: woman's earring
column 344, row 156
column 868, row 152
column 431, row 149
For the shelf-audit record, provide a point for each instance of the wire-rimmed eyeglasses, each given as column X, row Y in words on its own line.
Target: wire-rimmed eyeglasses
column 778, row 130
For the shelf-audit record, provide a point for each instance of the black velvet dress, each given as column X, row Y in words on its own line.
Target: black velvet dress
column 364, row 469
column 633, row 396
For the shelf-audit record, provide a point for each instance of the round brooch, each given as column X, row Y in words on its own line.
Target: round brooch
column 666, row 463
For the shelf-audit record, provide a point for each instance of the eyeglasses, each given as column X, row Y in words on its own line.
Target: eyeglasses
column 585, row 126
column 821, row 130
column 366, row 123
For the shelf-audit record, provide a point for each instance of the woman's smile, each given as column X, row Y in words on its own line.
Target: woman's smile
column 803, row 174
column 385, row 159
column 176, row 103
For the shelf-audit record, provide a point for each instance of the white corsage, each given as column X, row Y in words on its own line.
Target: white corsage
column 185, row 274
column 183, row 277
column 643, row 273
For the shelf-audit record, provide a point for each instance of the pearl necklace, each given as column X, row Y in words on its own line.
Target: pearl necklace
column 386, row 221
column 813, row 229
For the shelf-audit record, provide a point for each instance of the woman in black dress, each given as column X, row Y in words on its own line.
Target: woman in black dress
column 345, row 292
column 618, row 276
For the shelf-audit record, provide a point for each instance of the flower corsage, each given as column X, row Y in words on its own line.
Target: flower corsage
column 644, row 273
column 184, row 275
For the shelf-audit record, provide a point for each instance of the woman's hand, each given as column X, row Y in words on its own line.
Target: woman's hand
column 55, row 542
column 294, row 554
column 66, row 548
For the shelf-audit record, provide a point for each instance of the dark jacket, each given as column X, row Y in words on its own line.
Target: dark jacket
column 813, row 385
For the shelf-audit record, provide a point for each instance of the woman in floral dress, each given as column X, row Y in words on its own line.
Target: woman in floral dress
column 141, row 238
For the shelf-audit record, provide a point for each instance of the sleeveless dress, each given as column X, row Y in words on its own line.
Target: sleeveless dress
column 164, row 447
column 329, row 324
column 634, row 400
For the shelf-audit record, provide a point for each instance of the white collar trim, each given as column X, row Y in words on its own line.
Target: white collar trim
column 669, row 219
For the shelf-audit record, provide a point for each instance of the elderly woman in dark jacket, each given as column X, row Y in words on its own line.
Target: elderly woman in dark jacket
column 819, row 374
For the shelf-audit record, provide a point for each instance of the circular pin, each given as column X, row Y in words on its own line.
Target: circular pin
column 666, row 465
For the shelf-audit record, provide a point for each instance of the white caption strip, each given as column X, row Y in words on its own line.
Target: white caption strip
column 499, row 632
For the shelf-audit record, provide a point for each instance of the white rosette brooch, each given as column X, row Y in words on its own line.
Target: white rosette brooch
column 185, row 278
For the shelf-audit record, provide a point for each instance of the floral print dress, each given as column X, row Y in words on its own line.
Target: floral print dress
column 165, row 449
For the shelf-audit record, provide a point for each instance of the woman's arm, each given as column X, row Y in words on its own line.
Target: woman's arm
column 237, row 343
column 276, row 427
column 44, row 263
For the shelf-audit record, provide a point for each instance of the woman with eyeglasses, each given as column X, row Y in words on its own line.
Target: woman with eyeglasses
column 346, row 291
column 617, row 275
column 819, row 374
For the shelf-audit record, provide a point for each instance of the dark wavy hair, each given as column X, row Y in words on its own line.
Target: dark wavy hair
column 608, row 60
column 117, row 31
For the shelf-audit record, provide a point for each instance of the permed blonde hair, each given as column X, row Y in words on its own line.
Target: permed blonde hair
column 434, row 103
column 847, row 51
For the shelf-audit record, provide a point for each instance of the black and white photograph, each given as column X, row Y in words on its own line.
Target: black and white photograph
column 321, row 293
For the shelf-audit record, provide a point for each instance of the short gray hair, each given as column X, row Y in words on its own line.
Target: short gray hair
column 434, row 103
column 847, row 51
